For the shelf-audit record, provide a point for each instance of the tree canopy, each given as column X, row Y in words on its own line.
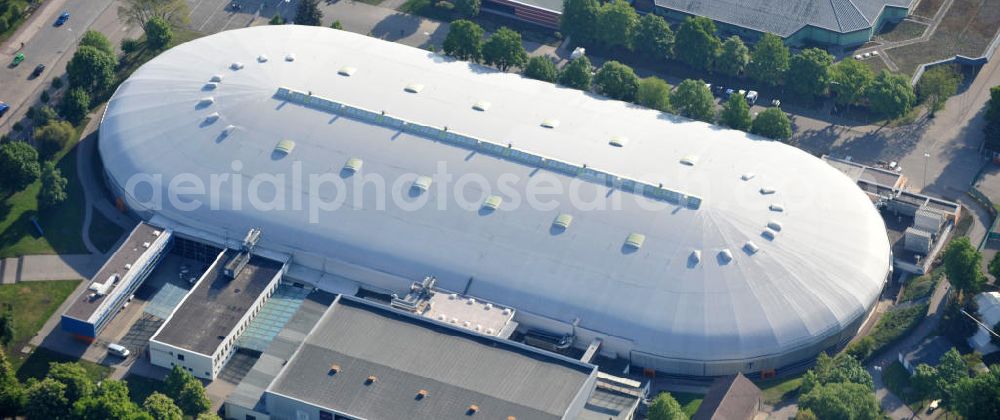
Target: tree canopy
column 736, row 113
column 850, row 80
column 186, row 391
column 692, row 99
column 697, row 44
column 962, row 266
column 617, row 21
column 991, row 131
column 579, row 20
column 467, row 8
column 979, row 397
column 891, row 95
column 53, row 190
column 541, row 68
column 464, row 41
column 665, row 407
column 936, row 86
column 91, row 69
column 97, row 40
column 769, row 60
column 308, row 13
column 653, row 38
column 772, row 123
column 109, row 402
column 653, row 93
column 12, row 396
column 158, row 33
column 504, row 50
column 53, row 137
column 46, row 399
column 161, row 407
column 617, row 81
column 576, row 74
column 18, row 165
column 733, row 57
column 840, row 368
column 138, row 12
column 75, row 105
column 810, row 71
column 841, row 401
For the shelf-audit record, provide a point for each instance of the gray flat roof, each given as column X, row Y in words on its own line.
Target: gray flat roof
column 408, row 354
column 216, row 304
column 130, row 251
column 783, row 17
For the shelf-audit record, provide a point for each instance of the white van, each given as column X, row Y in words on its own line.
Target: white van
column 118, row 350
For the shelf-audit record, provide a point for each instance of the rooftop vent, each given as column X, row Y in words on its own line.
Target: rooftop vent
column 347, row 71
column 750, row 247
column 285, row 146
column 481, row 106
column 635, row 240
column 774, row 225
column 334, row 369
column 353, row 164
column 236, row 66
column 216, row 78
column 492, row 202
column 290, row 57
column 618, row 141
column 689, row 160
column 210, row 86
column 211, row 118
column 473, row 409
column 226, row 132
column 725, row 256
column 262, row 58
column 550, row 123
column 414, row 87
column 206, row 101
column 695, row 257
column 563, row 221
column 776, row 207
column 422, row 183
column 769, row 234
column 748, row 176
column 766, row 190
column 371, row 379
column 421, row 394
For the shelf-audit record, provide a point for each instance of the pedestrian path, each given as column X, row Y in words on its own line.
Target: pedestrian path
column 49, row 267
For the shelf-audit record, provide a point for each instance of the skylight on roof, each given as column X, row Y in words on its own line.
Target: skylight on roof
column 481, row 106
column 206, row 101
column 563, row 221
column 262, row 58
column 216, row 78
column 750, row 247
column 210, row 86
column 236, row 66
column 748, row 176
column 285, row 146
column 776, row 207
column 725, row 256
column 618, row 141
column 774, row 225
column 347, row 71
column 767, row 190
column 353, row 164
column 689, row 160
column 422, row 183
column 290, row 57
column 211, row 118
column 414, row 87
column 635, row 240
column 550, row 123
column 695, row 257
column 492, row 202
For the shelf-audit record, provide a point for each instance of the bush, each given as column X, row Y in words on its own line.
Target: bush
column 53, row 137
column 18, row 165
column 75, row 105
column 45, row 97
column 541, row 68
column 130, row 45
column 43, row 115
column 158, row 33
column 893, row 325
column 922, row 286
column 57, row 83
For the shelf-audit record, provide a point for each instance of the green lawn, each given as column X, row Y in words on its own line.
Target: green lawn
column 31, row 304
column 61, row 224
column 103, row 232
column 774, row 391
column 37, row 365
column 140, row 387
column 689, row 402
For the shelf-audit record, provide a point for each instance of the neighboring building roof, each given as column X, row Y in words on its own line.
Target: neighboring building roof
column 731, row 397
column 785, row 17
column 217, row 304
column 820, row 274
column 406, row 353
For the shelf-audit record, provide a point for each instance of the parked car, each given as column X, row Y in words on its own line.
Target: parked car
column 751, row 97
column 118, row 350
column 17, row 59
column 62, row 18
column 38, row 70
column 3, row 108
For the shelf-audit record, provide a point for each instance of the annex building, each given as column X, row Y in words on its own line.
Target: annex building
column 670, row 244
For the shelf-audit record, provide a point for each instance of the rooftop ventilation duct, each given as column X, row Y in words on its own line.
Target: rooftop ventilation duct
column 492, row 202
column 290, row 57
column 210, row 86
column 353, row 164
column 695, row 257
column 767, row 190
column 347, row 71
column 481, row 106
column 618, row 141
column 422, row 183
column 216, row 78
column 726, row 256
column 635, row 240
column 769, row 234
column 774, row 225
column 776, row 207
column 748, row 176
column 236, row 66
column 563, row 221
column 262, row 58
column 414, row 88
column 211, row 118
column 285, row 146
column 689, row 160
column 750, row 247
column 550, row 123
column 206, row 101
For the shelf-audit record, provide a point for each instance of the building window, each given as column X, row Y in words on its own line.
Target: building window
column 180, row 357
column 249, row 417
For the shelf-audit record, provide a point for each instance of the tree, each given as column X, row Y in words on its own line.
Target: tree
column 994, row 267
column 962, row 266
column 925, row 382
column 576, row 74
column 97, row 40
column 46, row 399
column 736, row 113
column 772, row 123
column 733, row 57
column 541, row 68
column 467, row 8
column 769, row 61
column 43, row 115
column 336, row 25
column 653, row 38
column 653, row 93
column 805, row 414
column 617, row 81
column 175, row 381
column 74, row 376
column 841, row 401
column 53, row 189
column 464, row 41
column 956, row 325
column 579, row 20
column 12, row 396
column 849, row 80
column 617, row 21
column 936, row 86
column 810, row 70
column 992, row 129
column 838, row 369
column 75, row 105
column 692, row 99
column 18, row 165
column 158, row 33
column 276, row 20
column 891, row 95
column 109, row 402
column 697, row 45
column 951, row 369
column 308, row 13
column 192, row 399
column 978, row 397
column 665, row 407
column 6, row 328
column 161, row 407
column 207, row 416
column 138, row 12
column 504, row 50
column 53, row 137
column 91, row 69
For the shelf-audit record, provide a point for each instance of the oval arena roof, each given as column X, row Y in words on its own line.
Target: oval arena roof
column 716, row 245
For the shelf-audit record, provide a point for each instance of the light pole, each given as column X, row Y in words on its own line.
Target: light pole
column 926, row 156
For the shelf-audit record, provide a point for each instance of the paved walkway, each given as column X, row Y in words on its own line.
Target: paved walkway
column 49, row 267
